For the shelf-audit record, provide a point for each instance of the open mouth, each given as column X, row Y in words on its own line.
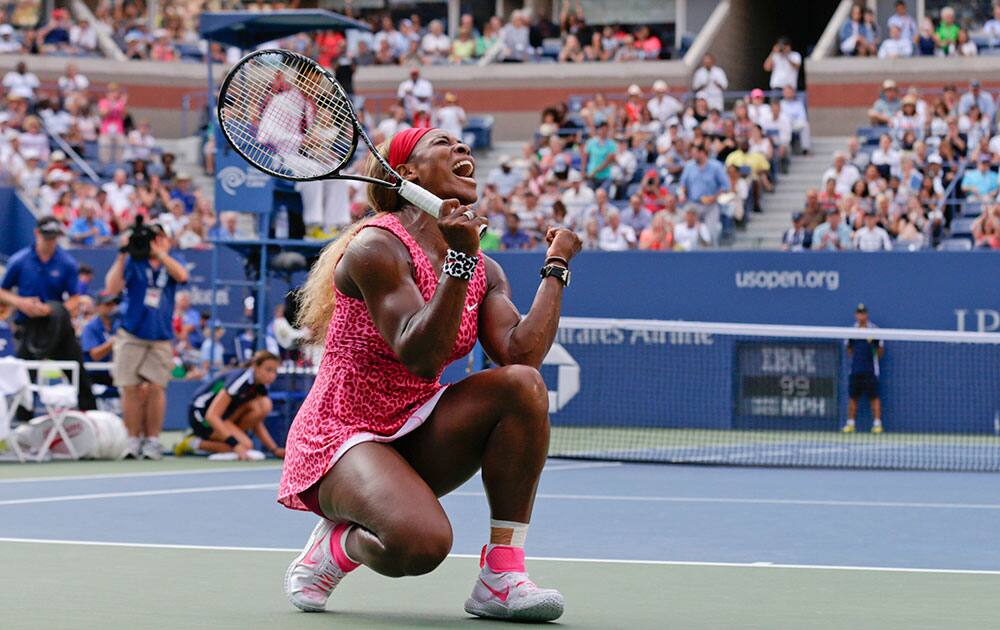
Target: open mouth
column 464, row 168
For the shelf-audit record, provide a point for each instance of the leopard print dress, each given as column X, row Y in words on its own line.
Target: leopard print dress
column 362, row 391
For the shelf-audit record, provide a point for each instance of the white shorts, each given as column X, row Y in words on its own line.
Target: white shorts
column 412, row 423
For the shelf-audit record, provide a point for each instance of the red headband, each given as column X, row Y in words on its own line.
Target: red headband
column 403, row 142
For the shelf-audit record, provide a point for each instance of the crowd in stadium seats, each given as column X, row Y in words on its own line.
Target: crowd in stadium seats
column 113, row 172
column 25, row 30
column 861, row 35
column 525, row 37
column 644, row 169
column 924, row 175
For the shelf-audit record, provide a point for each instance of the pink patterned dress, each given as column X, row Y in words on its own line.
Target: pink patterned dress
column 362, row 391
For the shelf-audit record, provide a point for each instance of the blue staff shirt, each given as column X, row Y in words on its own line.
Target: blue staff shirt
column 864, row 354
column 149, row 319
column 6, row 339
column 95, row 334
column 54, row 280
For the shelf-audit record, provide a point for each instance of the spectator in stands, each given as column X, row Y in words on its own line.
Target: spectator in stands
column 140, row 143
column 598, row 156
column 183, row 190
column 946, row 35
column 887, row 104
column 72, row 83
column 463, row 48
column 572, row 51
column 416, row 95
column 992, row 27
column 691, row 234
column 986, row 229
column 450, row 116
column 856, row 35
column 45, row 277
column 662, row 105
column 964, row 46
column 89, row 230
column 590, row 237
column 143, row 353
column 83, row 37
column 120, row 192
column 596, row 50
column 832, row 234
column 981, row 183
column 783, row 63
column 904, row 22
column 843, row 174
column 616, row 236
column 636, row 215
column 226, row 228
column 514, row 238
column 792, row 107
column 871, row 237
column 53, row 38
column 21, row 83
column 710, row 80
column 33, row 138
column 701, row 182
column 489, row 37
column 394, row 122
column 976, row 96
column 515, row 38
column 8, row 44
column 111, row 139
column 895, row 45
column 435, row 45
column 577, row 197
column 504, row 178
column 659, row 236
column 796, row 238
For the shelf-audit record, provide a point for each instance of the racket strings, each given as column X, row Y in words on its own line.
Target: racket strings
column 287, row 117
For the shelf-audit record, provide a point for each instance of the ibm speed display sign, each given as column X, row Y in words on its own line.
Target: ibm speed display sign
column 786, row 384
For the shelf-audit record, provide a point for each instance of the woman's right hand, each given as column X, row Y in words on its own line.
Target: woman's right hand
column 459, row 231
column 563, row 243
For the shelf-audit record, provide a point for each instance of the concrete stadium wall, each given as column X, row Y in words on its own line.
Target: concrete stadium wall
column 841, row 90
column 514, row 94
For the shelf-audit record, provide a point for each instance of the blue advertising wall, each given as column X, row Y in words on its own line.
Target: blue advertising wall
column 688, row 381
column 17, row 224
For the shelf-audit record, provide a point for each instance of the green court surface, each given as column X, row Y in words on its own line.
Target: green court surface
column 81, row 586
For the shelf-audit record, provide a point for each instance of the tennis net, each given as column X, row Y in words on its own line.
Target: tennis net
column 765, row 395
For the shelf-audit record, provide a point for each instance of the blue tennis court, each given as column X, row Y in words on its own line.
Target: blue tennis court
column 630, row 545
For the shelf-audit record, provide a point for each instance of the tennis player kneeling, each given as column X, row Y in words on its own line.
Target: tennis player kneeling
column 379, row 439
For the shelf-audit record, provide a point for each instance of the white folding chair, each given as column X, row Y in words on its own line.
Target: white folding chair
column 57, row 399
column 15, row 391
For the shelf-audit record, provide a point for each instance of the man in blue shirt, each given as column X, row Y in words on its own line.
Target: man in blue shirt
column 98, row 336
column 45, row 277
column 980, row 184
column 702, row 181
column 88, row 230
column 143, row 354
column 864, row 355
column 515, row 238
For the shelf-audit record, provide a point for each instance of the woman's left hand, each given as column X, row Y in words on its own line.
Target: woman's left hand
column 563, row 243
column 279, row 453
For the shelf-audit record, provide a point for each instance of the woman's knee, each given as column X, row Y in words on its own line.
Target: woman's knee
column 525, row 388
column 419, row 550
column 263, row 406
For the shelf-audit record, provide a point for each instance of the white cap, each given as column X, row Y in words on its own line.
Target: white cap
column 935, row 159
column 57, row 156
column 634, row 90
column 659, row 85
column 6, row 29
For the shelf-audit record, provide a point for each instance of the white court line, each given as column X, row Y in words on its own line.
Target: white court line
column 137, row 493
column 209, row 471
column 557, row 497
column 679, row 563
column 164, row 473
column 881, row 504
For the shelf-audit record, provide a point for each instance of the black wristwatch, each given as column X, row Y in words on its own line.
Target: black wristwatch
column 561, row 274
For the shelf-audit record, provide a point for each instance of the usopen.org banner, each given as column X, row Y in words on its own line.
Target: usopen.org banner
column 930, row 290
column 773, row 279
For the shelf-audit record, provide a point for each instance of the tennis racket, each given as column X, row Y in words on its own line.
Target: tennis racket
column 289, row 117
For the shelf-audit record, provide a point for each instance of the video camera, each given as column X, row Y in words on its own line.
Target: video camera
column 139, row 239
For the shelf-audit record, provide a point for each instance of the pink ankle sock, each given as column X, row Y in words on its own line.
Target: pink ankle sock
column 338, row 537
column 502, row 558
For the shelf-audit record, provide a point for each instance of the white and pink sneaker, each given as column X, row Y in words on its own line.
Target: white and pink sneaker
column 504, row 591
column 313, row 575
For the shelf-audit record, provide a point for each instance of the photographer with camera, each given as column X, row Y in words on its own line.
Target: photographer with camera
column 143, row 356
column 783, row 63
column 46, row 278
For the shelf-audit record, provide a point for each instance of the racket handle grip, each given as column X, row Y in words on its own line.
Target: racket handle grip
column 426, row 201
